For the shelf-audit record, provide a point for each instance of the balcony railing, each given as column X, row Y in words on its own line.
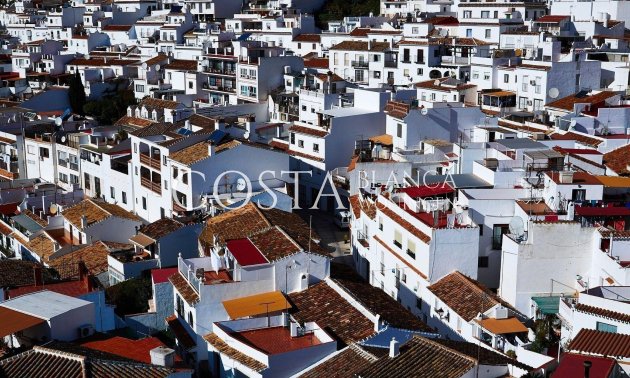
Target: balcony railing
column 359, row 64
column 390, row 64
column 156, row 187
column 63, row 163
column 189, row 274
column 455, row 59
column 149, row 162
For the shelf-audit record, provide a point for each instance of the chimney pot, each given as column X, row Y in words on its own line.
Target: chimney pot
column 587, row 368
column 394, row 348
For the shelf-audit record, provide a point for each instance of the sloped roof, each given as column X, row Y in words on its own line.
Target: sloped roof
column 421, row 357
column 464, row 295
column 323, row 305
column 361, row 46
column 601, row 343
column 567, row 103
column 618, row 159
column 161, row 228
column 94, row 256
column 347, row 363
column 95, row 211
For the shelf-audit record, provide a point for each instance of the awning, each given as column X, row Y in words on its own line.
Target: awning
column 142, row 240
column 547, row 305
column 499, row 94
column 15, row 321
column 502, row 326
column 256, row 305
column 602, row 211
column 614, row 181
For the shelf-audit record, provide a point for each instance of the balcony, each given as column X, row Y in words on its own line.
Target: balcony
column 360, row 64
column 391, row 64
column 63, row 163
column 463, row 60
column 155, row 187
column 218, row 88
column 149, row 161
column 220, row 71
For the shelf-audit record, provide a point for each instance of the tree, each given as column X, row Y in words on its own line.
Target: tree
column 76, row 93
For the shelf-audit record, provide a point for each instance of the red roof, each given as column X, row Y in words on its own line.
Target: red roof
column 602, row 211
column 427, row 191
column 9, row 209
column 162, row 275
column 551, row 19
column 137, row 350
column 245, row 252
column 578, row 151
column 74, row 288
column 572, row 365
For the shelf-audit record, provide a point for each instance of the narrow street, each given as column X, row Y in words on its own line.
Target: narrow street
column 334, row 238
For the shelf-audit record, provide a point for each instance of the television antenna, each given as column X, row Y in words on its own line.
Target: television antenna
column 517, row 228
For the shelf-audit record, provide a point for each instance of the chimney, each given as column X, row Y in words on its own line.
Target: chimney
column 211, row 148
column 369, row 44
column 587, row 368
column 394, row 348
column 84, row 222
column 38, row 276
column 84, row 276
column 187, row 125
column 162, row 356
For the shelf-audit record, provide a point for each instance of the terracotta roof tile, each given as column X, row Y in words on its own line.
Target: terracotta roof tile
column 323, row 305
column 601, row 343
column 322, row 63
column 133, row 121
column 361, row 46
column 184, row 289
column 308, row 131
column 14, row 273
column 182, row 64
column 580, row 138
column 567, row 103
column 421, row 357
column 375, row 299
column 274, row 244
column 618, row 159
column 550, row 19
column 161, row 228
column 191, row 154
column 223, row 348
column 43, row 246
column 404, row 224
column 95, row 211
column 314, row 38
column 94, row 256
column 124, row 28
column 602, row 312
column 465, row 296
column 347, row 363
column 157, row 103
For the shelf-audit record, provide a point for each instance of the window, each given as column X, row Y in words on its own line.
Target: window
column 380, row 224
column 124, row 197
column 74, row 179
column 185, row 178
column 486, row 75
column 420, row 71
column 112, row 192
column 506, row 78
column 488, row 33
column 482, row 262
column 162, row 213
column 406, row 72
column 293, row 134
column 300, row 143
column 467, row 14
column 86, row 181
column 315, row 147
column 30, row 150
column 399, row 131
column 475, row 74
column 303, row 108
column 604, row 327
column 525, row 82
column 419, row 303
column 411, row 249
column 485, row 14
column 578, row 195
column 144, row 203
column 497, row 235
column 140, row 88
column 377, row 74
column 398, row 239
column 191, row 320
column 190, row 85
column 44, row 152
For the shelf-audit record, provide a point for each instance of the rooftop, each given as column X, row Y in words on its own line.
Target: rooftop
column 601, row 343
column 44, row 304
column 275, row 340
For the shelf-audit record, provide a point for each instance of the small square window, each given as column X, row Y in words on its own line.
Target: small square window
column 300, row 143
column 482, row 262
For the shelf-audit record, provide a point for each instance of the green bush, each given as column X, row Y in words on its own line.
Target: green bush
column 337, row 9
column 131, row 296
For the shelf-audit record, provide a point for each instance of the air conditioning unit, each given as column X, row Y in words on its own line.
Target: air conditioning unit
column 529, row 103
column 86, row 330
column 532, row 82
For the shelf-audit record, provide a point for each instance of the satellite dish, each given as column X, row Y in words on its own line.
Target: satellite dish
column 53, row 209
column 241, row 184
column 157, row 67
column 553, row 92
column 436, row 83
column 517, row 227
column 144, row 65
column 63, row 139
column 518, row 52
column 205, row 63
column 58, row 121
column 424, row 111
